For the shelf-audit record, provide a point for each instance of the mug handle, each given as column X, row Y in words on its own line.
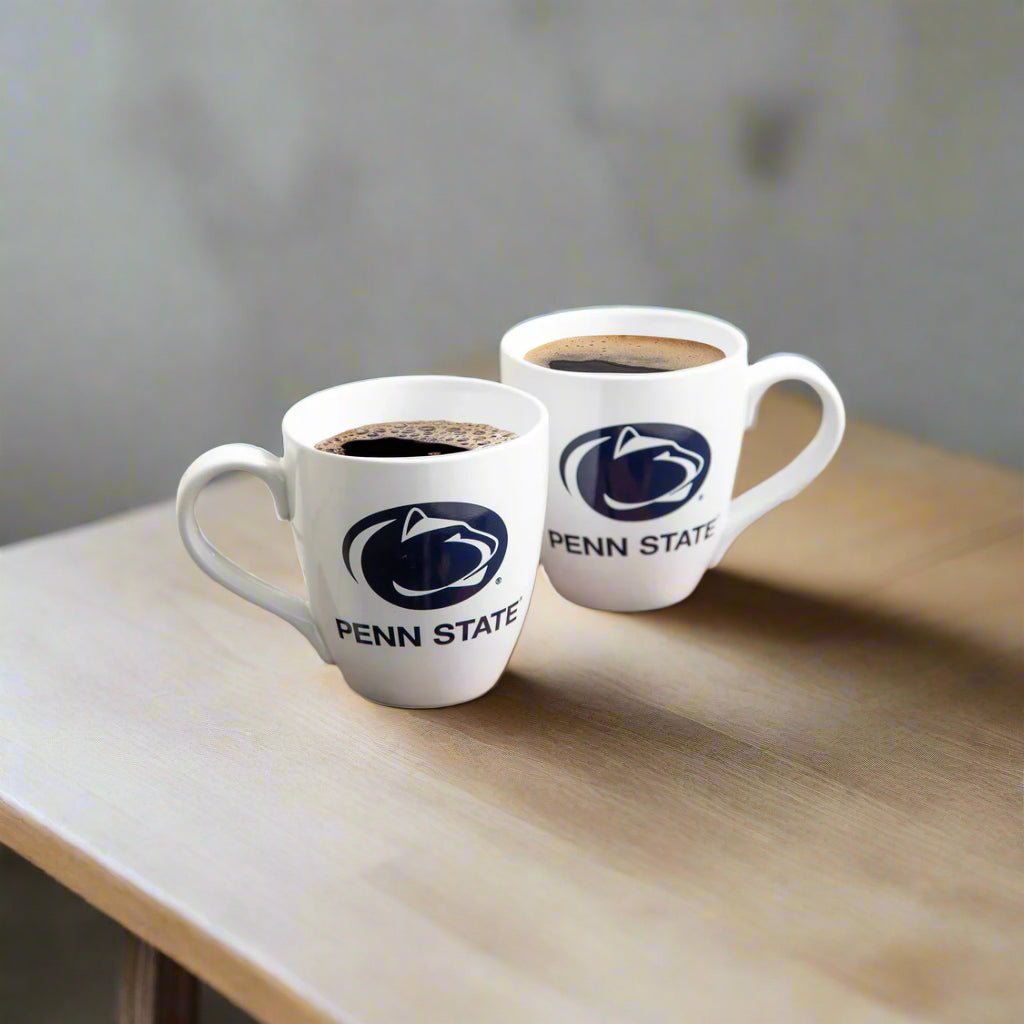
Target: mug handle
column 793, row 478
column 246, row 458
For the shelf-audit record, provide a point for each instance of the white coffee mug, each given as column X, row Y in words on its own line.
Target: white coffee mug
column 419, row 570
column 625, row 532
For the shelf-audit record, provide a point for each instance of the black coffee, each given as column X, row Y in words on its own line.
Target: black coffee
column 623, row 353
column 413, row 439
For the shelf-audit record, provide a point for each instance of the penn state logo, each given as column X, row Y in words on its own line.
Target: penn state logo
column 429, row 555
column 636, row 471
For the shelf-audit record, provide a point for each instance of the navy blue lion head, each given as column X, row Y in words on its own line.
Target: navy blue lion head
column 429, row 555
column 636, row 471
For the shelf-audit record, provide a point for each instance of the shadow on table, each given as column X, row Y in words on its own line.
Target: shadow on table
column 821, row 704
column 816, row 643
column 815, row 769
column 881, row 655
column 837, row 646
column 885, row 652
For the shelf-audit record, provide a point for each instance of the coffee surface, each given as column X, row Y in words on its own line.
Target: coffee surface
column 405, row 439
column 623, row 353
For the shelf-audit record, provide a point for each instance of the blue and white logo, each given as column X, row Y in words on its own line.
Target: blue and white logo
column 430, row 555
column 636, row 471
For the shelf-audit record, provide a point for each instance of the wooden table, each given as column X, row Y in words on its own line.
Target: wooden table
column 795, row 796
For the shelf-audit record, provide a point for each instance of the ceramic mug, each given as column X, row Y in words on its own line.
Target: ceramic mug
column 419, row 570
column 642, row 466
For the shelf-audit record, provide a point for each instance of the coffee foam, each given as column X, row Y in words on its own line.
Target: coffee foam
column 652, row 353
column 448, row 432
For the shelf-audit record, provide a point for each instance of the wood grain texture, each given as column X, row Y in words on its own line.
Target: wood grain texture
column 796, row 796
column 154, row 989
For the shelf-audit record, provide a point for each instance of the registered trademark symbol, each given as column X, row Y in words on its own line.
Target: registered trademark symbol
column 700, row 497
column 498, row 580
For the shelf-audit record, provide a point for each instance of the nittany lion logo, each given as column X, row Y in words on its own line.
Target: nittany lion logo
column 636, row 471
column 429, row 555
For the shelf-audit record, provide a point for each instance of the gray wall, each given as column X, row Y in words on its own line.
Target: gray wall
column 210, row 209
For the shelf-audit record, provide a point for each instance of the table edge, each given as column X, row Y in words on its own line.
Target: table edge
column 258, row 990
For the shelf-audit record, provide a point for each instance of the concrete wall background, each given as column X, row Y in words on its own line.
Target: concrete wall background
column 209, row 210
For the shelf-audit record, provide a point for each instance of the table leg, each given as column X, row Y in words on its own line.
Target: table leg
column 154, row 989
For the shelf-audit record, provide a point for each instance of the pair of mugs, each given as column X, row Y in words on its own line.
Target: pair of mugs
column 533, row 498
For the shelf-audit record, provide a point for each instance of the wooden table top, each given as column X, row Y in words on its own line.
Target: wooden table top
column 795, row 796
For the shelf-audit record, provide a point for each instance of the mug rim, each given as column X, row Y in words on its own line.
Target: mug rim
column 424, row 379
column 635, row 379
